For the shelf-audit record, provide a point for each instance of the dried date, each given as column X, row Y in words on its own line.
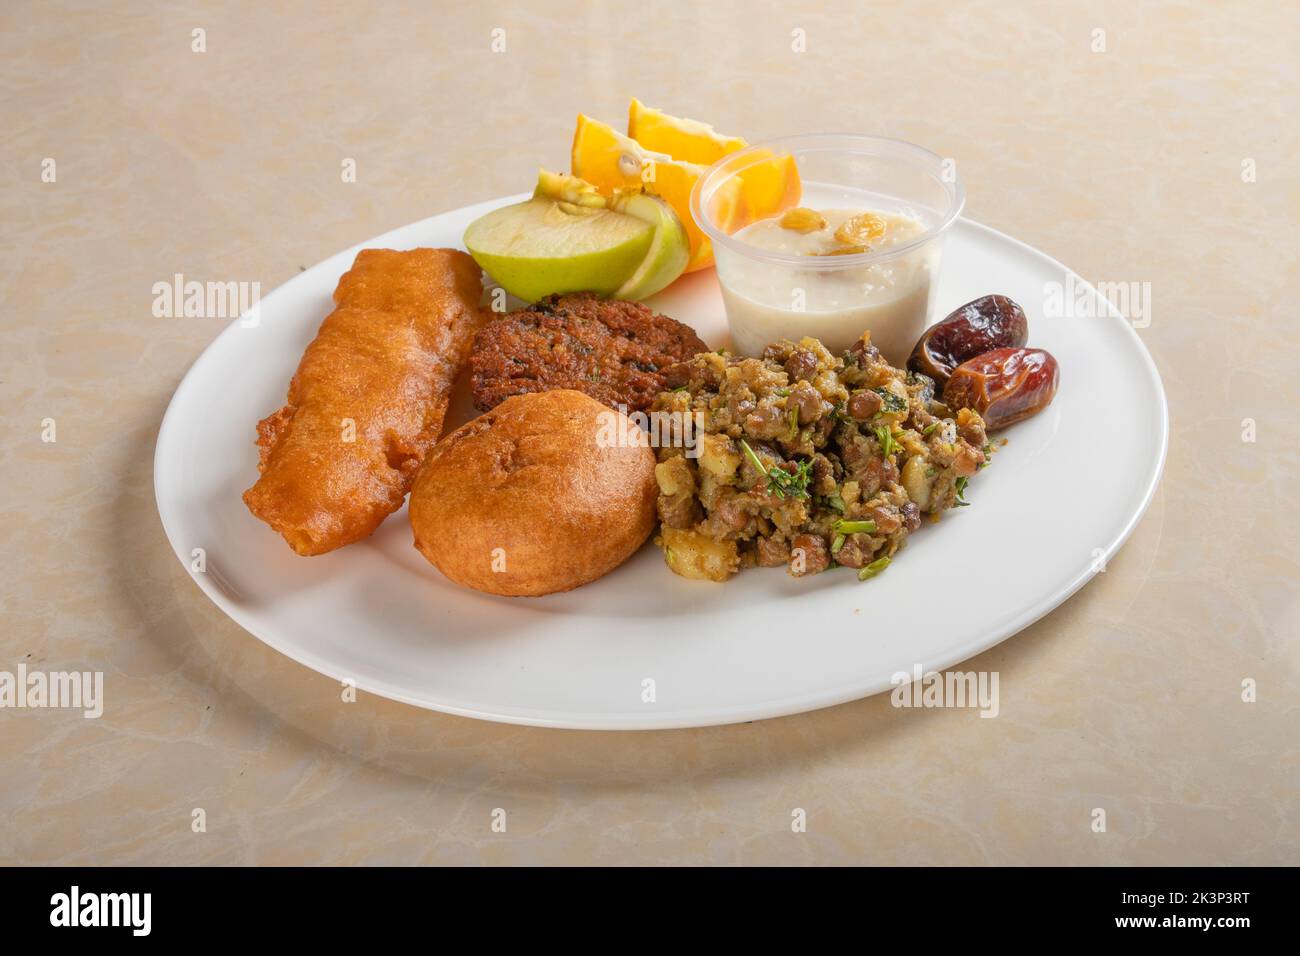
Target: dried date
column 1005, row 385
column 990, row 322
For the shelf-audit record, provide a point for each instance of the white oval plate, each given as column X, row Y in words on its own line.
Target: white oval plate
column 1065, row 492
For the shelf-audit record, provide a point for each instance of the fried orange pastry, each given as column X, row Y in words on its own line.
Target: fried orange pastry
column 369, row 397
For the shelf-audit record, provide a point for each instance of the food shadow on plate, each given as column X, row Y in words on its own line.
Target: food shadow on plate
column 641, row 587
column 263, row 569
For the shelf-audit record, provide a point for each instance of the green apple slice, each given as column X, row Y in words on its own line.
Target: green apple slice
column 544, row 246
column 569, row 238
column 668, row 253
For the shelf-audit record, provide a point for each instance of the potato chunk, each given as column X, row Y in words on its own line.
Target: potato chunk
column 675, row 477
column 719, row 456
column 694, row 555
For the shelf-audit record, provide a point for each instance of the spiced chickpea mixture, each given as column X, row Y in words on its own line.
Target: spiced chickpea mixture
column 808, row 460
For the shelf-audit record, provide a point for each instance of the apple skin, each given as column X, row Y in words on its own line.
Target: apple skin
column 530, row 278
column 570, row 238
column 668, row 254
column 533, row 279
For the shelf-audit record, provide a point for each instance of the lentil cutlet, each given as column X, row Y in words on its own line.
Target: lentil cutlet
column 616, row 352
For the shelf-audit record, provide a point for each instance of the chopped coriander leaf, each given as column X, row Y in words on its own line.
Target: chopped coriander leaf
column 893, row 403
column 779, row 481
column 886, row 439
column 782, row 483
column 874, row 568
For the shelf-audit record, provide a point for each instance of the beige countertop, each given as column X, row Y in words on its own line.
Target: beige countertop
column 1168, row 157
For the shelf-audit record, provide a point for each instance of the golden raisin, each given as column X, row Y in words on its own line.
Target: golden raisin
column 861, row 230
column 802, row 219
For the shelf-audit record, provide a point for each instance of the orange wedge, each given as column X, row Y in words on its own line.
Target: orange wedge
column 685, row 139
column 771, row 182
column 608, row 160
column 771, row 185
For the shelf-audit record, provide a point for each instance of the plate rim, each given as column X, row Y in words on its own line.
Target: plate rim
column 681, row 719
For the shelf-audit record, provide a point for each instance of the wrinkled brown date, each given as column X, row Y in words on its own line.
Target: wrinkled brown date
column 990, row 322
column 1005, row 385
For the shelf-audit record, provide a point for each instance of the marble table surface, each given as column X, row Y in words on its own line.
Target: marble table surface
column 1147, row 142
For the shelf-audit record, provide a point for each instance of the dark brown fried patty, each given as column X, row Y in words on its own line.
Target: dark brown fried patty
column 616, row 352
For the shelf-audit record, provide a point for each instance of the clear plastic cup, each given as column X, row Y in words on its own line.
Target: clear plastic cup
column 773, row 294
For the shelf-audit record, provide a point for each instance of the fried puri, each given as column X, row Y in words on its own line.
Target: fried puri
column 616, row 352
column 544, row 493
column 368, row 399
